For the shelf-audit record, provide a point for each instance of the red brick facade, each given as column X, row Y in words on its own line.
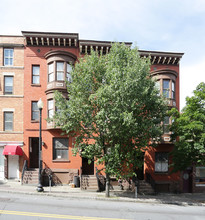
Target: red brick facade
column 43, row 52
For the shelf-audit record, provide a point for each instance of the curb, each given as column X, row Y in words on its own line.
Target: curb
column 74, row 195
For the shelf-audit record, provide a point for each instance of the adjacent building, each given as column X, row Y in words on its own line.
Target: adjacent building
column 11, row 105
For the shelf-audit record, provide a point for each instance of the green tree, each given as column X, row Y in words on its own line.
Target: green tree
column 189, row 128
column 113, row 109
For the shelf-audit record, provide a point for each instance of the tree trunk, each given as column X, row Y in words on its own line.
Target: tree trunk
column 107, row 189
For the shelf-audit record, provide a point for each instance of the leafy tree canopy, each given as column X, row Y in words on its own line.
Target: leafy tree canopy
column 113, row 109
column 190, row 127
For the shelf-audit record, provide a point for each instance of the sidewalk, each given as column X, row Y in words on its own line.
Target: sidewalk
column 197, row 199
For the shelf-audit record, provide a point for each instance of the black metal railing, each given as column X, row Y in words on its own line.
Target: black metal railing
column 25, row 166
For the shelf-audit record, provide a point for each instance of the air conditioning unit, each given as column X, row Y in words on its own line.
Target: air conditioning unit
column 166, row 139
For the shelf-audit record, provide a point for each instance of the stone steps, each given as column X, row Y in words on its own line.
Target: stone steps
column 89, row 182
column 145, row 188
column 31, row 177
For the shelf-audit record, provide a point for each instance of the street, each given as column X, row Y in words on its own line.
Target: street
column 24, row 206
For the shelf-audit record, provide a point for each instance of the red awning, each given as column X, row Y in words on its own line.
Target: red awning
column 12, row 150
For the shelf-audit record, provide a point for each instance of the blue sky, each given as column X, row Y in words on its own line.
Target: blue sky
column 162, row 25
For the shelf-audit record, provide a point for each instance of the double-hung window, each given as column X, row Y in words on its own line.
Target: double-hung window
column 60, row 71
column 50, row 72
column 8, row 84
column 161, row 162
column 50, row 108
column 166, row 124
column 34, row 111
column 60, row 148
column 68, row 73
column 166, row 88
column 173, row 90
column 35, row 74
column 8, row 121
column 8, row 56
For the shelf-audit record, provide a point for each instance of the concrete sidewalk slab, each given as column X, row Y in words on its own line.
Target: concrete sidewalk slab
column 196, row 199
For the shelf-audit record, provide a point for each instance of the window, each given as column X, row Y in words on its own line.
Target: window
column 200, row 176
column 35, row 74
column 68, row 75
column 60, row 148
column 50, row 108
column 173, row 90
column 50, row 72
column 34, row 111
column 8, row 121
column 60, row 71
column 166, row 88
column 8, row 85
column 161, row 162
column 166, row 125
column 157, row 86
column 8, row 57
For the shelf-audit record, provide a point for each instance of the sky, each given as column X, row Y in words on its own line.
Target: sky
column 159, row 25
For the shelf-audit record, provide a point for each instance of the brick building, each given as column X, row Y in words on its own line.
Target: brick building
column 11, row 105
column 48, row 58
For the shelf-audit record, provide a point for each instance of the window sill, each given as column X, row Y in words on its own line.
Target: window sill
column 34, row 121
column 36, row 85
column 11, row 132
column 161, row 173
column 61, row 161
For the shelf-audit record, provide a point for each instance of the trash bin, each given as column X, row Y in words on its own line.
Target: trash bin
column 76, row 181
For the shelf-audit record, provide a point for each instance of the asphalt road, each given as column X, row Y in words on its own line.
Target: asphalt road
column 30, row 207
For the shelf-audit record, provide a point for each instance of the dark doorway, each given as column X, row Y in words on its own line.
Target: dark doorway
column 34, row 152
column 187, row 181
column 87, row 169
column 140, row 170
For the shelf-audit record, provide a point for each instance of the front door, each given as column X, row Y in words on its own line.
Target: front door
column 34, row 152
column 87, row 169
column 1, row 164
column 13, row 167
column 187, row 181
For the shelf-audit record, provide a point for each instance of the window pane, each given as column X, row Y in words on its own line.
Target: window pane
column 69, row 68
column 60, row 75
column 50, row 108
column 8, row 57
column 8, row 121
column 60, row 70
column 50, row 77
column 50, row 72
column 36, row 80
column 50, row 68
column 166, row 84
column 173, row 90
column 35, row 111
column 8, row 85
column 60, row 66
column 60, row 148
column 161, row 162
column 35, row 74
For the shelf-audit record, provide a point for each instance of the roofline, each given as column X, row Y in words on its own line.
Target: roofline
column 34, row 33
column 99, row 41
column 11, row 36
column 160, row 53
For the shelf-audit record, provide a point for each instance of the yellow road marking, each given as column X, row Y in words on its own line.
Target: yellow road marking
column 44, row 215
